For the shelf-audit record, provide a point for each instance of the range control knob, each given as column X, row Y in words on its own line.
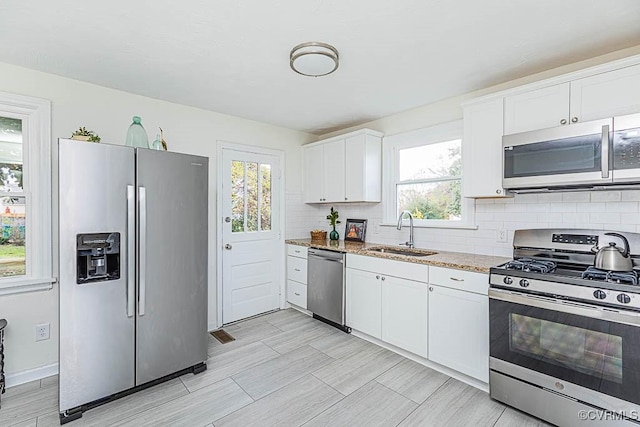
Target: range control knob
column 524, row 283
column 624, row 298
column 507, row 280
column 599, row 294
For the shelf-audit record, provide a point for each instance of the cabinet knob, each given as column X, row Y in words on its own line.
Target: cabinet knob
column 574, row 120
column 346, row 198
column 563, row 121
column 430, row 288
column 377, row 277
column 383, row 278
column 498, row 191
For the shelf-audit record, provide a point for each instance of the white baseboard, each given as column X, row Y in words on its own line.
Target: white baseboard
column 31, row 375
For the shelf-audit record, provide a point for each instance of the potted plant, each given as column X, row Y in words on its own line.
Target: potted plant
column 82, row 134
column 333, row 220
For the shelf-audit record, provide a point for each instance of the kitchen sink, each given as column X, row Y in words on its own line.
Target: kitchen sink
column 402, row 251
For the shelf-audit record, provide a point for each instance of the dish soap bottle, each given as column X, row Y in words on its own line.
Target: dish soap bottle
column 157, row 144
column 136, row 135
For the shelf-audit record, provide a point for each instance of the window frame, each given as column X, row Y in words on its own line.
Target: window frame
column 35, row 114
column 417, row 138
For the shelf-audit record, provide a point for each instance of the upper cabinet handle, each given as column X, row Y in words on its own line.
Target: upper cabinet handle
column 563, row 121
column 574, row 120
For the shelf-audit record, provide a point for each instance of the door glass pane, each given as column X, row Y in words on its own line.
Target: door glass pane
column 237, row 196
column 252, row 197
column 434, row 200
column 265, row 197
column 430, row 161
column 12, row 240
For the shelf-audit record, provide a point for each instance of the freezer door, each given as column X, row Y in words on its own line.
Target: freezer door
column 172, row 275
column 96, row 193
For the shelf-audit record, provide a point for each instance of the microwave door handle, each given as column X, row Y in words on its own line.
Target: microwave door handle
column 604, row 158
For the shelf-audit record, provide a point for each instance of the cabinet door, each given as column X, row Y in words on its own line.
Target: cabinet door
column 404, row 314
column 313, row 174
column 606, row 95
column 363, row 169
column 482, row 150
column 459, row 331
column 537, row 109
column 333, row 171
column 363, row 301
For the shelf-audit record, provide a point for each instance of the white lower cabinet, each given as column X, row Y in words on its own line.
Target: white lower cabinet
column 404, row 314
column 363, row 301
column 297, row 275
column 459, row 331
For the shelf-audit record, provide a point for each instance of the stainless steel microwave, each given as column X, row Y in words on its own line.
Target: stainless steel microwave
column 591, row 155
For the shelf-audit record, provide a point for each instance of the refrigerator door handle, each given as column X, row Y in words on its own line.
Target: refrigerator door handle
column 142, row 259
column 131, row 251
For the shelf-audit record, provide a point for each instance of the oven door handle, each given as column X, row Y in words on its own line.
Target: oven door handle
column 571, row 307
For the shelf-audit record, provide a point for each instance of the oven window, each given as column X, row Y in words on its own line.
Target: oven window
column 594, row 352
column 590, row 352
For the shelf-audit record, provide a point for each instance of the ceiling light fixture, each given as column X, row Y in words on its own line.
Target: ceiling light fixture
column 314, row 59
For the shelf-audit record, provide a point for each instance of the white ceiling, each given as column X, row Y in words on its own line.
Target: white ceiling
column 233, row 56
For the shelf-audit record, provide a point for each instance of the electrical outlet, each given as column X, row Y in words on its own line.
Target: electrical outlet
column 502, row 236
column 43, row 332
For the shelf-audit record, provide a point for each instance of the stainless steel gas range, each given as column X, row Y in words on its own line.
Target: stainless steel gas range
column 565, row 337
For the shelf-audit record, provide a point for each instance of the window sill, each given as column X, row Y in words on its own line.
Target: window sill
column 438, row 225
column 20, row 286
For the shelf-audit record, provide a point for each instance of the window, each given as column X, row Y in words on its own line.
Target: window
column 425, row 170
column 25, row 194
column 250, row 196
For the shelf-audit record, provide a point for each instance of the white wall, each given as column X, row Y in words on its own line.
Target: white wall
column 612, row 210
column 108, row 112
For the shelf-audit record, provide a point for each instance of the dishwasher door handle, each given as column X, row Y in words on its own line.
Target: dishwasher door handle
column 326, row 259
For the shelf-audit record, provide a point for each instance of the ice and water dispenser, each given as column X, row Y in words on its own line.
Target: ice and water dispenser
column 98, row 257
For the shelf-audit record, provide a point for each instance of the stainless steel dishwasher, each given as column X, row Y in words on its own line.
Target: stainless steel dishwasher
column 325, row 287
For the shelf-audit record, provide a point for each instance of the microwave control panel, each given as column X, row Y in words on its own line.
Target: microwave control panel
column 626, row 149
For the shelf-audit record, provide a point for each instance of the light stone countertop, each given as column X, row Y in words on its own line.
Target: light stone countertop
column 459, row 260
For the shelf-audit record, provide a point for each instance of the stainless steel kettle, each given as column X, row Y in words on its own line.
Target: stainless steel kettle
column 610, row 258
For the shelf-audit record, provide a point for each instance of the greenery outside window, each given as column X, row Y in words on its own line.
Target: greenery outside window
column 425, row 177
column 25, row 194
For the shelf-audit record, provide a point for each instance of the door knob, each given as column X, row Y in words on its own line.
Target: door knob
column 228, row 246
column 227, row 219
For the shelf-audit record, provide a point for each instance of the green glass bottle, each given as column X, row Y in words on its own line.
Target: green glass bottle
column 157, row 144
column 334, row 234
column 136, row 135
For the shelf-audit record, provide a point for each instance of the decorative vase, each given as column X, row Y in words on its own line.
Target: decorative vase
column 334, row 234
column 136, row 135
column 157, row 144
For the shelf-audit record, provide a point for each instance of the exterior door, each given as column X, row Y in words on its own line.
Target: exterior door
column 172, row 263
column 251, row 255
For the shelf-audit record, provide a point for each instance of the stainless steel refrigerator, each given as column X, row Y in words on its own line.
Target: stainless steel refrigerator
column 132, row 249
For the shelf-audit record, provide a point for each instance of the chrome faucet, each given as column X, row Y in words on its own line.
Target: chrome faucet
column 410, row 242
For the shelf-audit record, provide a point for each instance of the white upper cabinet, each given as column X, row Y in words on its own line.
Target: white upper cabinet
column 347, row 168
column 599, row 96
column 482, row 149
column 538, row 109
column 615, row 93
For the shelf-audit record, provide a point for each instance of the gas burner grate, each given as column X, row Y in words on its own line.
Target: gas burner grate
column 528, row 264
column 624, row 277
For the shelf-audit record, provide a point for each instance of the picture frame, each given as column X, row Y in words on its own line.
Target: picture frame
column 355, row 230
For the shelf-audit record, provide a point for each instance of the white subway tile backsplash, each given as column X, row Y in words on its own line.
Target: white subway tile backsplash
column 624, row 207
column 606, row 196
column 631, row 196
column 605, row 217
column 612, row 210
column 577, row 196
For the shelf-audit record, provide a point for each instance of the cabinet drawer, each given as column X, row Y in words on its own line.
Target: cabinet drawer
column 297, row 269
column 297, row 251
column 468, row 281
column 388, row 267
column 297, row 293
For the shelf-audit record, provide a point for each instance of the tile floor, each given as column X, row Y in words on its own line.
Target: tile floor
column 286, row 369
